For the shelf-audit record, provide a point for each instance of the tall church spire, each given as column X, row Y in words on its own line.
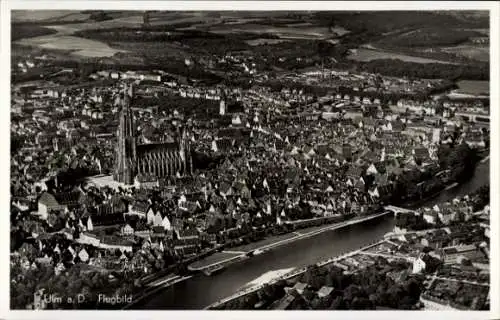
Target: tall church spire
column 131, row 91
column 126, row 97
column 149, row 159
column 126, row 144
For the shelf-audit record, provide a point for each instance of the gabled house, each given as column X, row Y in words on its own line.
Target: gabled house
column 354, row 173
column 187, row 234
column 47, row 203
column 325, row 291
column 300, row 287
column 418, row 265
column 127, row 230
column 359, row 184
column 139, row 208
column 166, row 224
column 150, row 215
column 430, row 217
column 59, row 268
column 421, row 154
column 70, row 199
column 113, row 243
column 372, row 170
column 83, row 255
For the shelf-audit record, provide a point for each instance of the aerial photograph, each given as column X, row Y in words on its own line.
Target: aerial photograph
column 249, row 160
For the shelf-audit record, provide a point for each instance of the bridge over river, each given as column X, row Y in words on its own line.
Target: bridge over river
column 397, row 210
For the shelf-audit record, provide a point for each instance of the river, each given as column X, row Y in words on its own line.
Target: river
column 200, row 290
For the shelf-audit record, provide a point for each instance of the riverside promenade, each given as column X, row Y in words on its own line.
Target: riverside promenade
column 156, row 286
column 237, row 254
column 228, row 257
column 289, row 275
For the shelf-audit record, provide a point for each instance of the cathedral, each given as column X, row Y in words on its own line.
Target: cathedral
column 154, row 159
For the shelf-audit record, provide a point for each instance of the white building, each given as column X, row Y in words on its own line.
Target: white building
column 222, row 108
column 418, row 265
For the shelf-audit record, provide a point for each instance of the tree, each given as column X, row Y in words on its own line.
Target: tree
column 338, row 304
column 309, row 294
column 249, row 301
column 329, row 280
column 361, row 303
column 351, row 292
column 323, row 303
column 406, row 303
column 413, row 289
column 271, row 292
column 395, row 292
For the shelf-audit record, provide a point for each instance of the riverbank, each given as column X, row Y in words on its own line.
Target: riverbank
column 270, row 243
column 292, row 274
column 155, row 287
column 226, row 258
column 449, row 192
column 485, row 159
column 201, row 291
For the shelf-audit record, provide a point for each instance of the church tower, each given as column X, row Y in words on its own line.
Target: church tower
column 222, row 104
column 150, row 159
column 222, row 107
column 185, row 153
column 126, row 153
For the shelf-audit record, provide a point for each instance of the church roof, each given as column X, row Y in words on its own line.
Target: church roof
column 156, row 147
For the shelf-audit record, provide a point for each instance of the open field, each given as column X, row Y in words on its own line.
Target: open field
column 119, row 22
column 483, row 31
column 64, row 40
column 47, row 15
column 165, row 48
column 65, row 16
column 78, row 46
column 365, row 54
column 340, row 31
column 201, row 20
column 275, row 35
column 21, row 31
column 473, row 87
column 264, row 41
column 429, row 37
column 474, row 52
column 310, row 32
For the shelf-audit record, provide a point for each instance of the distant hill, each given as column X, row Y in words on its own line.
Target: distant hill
column 47, row 15
column 479, row 16
column 65, row 16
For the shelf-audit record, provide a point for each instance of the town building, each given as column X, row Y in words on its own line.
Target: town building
column 154, row 159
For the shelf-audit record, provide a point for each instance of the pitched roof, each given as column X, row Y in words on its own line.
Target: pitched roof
column 187, row 233
column 158, row 229
column 421, row 152
column 48, row 200
column 325, row 291
column 300, row 286
column 354, row 172
column 156, row 148
column 397, row 126
column 224, row 143
column 140, row 206
column 69, row 197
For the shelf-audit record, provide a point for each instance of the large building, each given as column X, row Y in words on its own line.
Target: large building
column 154, row 159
